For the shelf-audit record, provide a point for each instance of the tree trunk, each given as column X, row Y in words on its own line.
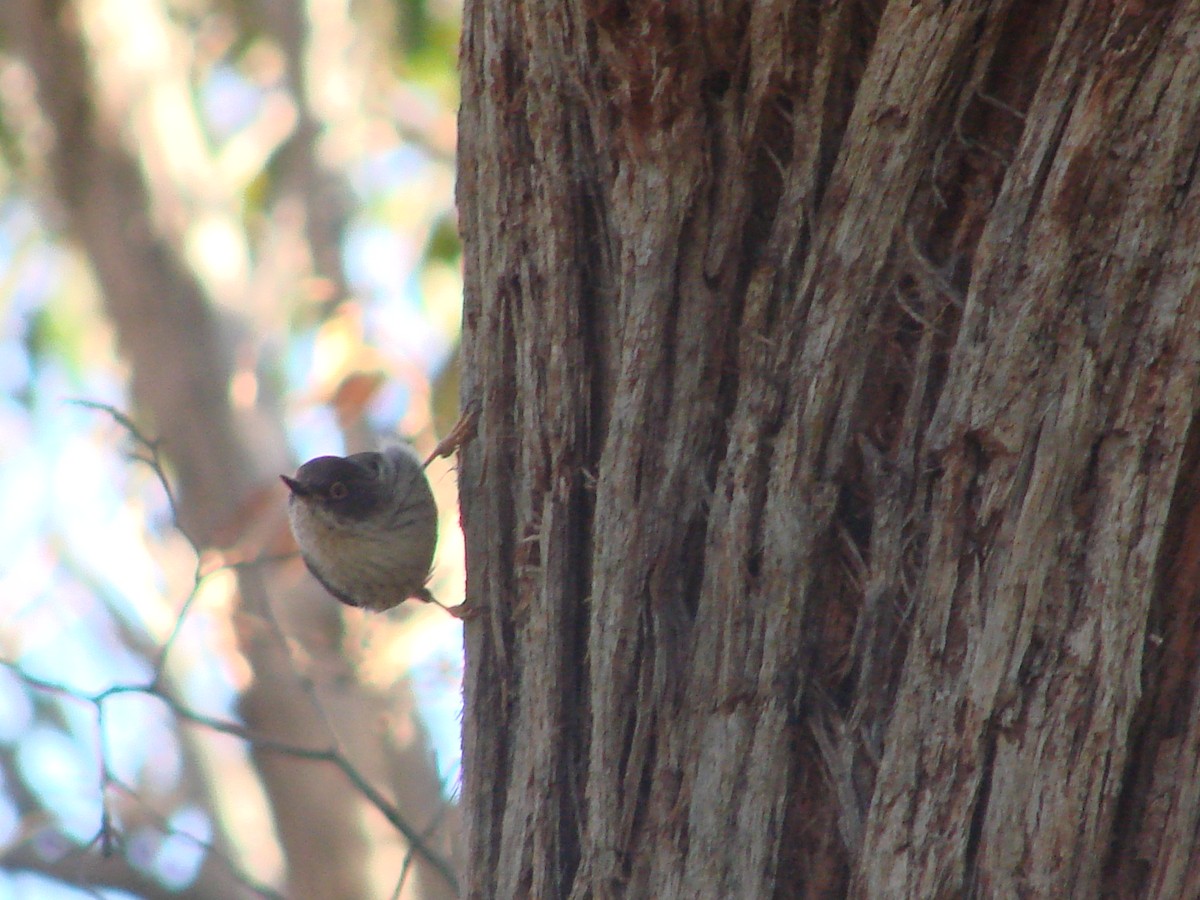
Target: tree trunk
column 829, row 514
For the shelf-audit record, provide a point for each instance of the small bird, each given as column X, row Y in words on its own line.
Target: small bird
column 366, row 526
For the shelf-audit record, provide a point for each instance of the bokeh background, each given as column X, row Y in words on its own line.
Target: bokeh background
column 182, row 712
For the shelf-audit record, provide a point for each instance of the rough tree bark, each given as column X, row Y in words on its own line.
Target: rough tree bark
column 830, row 515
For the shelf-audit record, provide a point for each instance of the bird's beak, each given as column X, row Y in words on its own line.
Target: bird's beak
column 298, row 488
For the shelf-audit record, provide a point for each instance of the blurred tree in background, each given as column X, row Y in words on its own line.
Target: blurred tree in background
column 226, row 227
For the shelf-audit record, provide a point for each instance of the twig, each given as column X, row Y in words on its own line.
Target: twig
column 330, row 755
column 461, row 434
column 153, row 447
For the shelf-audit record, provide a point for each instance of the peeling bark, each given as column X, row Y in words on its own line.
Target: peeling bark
column 836, row 367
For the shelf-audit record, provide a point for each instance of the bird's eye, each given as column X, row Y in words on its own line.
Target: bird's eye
column 338, row 490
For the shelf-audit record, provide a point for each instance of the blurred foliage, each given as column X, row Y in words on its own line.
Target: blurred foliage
column 444, row 244
column 94, row 584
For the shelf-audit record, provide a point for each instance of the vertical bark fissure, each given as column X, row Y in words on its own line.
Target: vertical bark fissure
column 912, row 428
column 1069, row 363
column 845, row 265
